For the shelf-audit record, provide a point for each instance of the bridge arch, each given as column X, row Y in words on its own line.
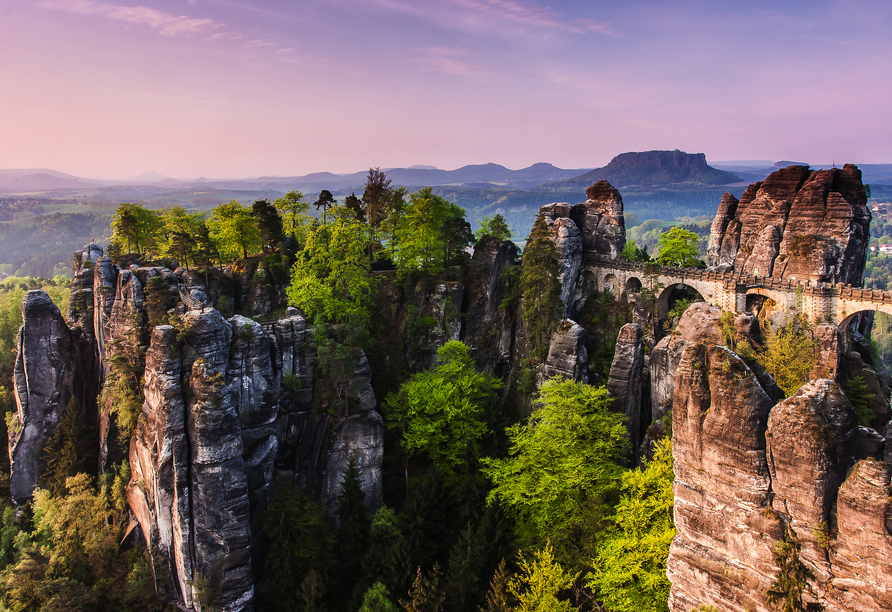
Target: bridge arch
column 611, row 283
column 633, row 285
column 674, row 292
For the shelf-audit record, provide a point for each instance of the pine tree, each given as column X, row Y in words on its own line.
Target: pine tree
column 541, row 288
column 426, row 594
column 269, row 225
column 69, row 449
column 792, row 579
column 499, row 599
column 353, row 525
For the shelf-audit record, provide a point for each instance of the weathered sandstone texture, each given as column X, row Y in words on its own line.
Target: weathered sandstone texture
column 589, row 229
column 43, row 375
column 567, row 356
column 626, row 380
column 748, row 467
column 796, row 224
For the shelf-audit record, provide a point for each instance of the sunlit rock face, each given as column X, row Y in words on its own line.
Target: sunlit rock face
column 748, row 466
column 796, row 224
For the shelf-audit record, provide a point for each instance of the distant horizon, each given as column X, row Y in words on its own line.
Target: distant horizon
column 162, row 177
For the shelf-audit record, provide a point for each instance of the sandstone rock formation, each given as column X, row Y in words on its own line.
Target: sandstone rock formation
column 797, row 223
column 43, row 376
column 747, row 468
column 626, row 380
column 567, row 355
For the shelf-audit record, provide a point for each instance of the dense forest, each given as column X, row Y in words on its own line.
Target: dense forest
column 529, row 504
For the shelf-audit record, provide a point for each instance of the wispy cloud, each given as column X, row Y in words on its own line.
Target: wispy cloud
column 165, row 23
column 533, row 15
column 449, row 60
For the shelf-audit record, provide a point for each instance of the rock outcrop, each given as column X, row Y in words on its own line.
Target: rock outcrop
column 567, row 356
column 43, row 377
column 796, row 224
column 626, row 380
column 748, row 469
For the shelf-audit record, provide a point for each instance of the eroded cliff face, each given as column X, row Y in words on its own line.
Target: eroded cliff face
column 797, row 223
column 230, row 406
column 747, row 467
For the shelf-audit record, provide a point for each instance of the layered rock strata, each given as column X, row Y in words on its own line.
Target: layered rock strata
column 625, row 384
column 747, row 468
column 796, row 224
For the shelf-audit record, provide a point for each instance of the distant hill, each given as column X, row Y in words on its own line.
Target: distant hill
column 39, row 179
column 652, row 169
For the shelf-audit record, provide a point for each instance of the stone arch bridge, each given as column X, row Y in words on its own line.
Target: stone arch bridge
column 818, row 302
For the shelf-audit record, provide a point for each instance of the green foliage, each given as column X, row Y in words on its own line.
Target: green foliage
column 181, row 231
column 353, row 525
column 859, row 396
column 377, row 599
column 269, row 224
column 629, row 572
column 140, row 228
column 294, row 218
column 12, row 290
column 539, row 582
column 69, row 450
column 234, row 229
column 493, row 226
column 792, row 581
column 430, row 231
column 376, row 196
column 678, row 309
column 541, row 289
column 330, row 279
column 159, row 299
column 633, row 253
column 442, row 411
column 124, row 400
column 678, row 247
column 564, row 459
column 300, row 542
column 325, row 201
column 789, row 356
column 71, row 559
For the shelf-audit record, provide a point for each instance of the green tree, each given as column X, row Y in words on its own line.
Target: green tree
column 562, row 461
column 678, row 247
column 420, row 238
column 300, row 542
column 69, row 449
column 330, row 279
column 353, row 525
column 493, row 226
column 498, row 599
column 456, row 233
column 633, row 253
column 234, row 230
column 140, row 228
column 159, row 299
column 789, row 356
column 393, row 218
column 793, row 578
column 541, row 288
column 293, row 210
column 442, row 411
column 181, row 231
column 269, row 225
column 377, row 196
column 629, row 573
column 325, row 202
column 356, row 208
column 859, row 396
column 377, row 599
column 539, row 582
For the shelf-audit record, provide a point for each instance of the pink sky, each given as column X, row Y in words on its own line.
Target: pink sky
column 225, row 88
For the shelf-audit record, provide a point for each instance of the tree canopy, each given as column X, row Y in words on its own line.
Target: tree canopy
column 234, row 229
column 442, row 410
column 564, row 457
column 678, row 247
column 493, row 226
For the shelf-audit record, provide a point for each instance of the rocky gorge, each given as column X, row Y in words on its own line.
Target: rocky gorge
column 231, row 406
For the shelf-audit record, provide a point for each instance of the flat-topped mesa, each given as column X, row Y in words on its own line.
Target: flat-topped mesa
column 796, row 224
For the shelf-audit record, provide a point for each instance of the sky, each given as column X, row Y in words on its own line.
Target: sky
column 229, row 88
